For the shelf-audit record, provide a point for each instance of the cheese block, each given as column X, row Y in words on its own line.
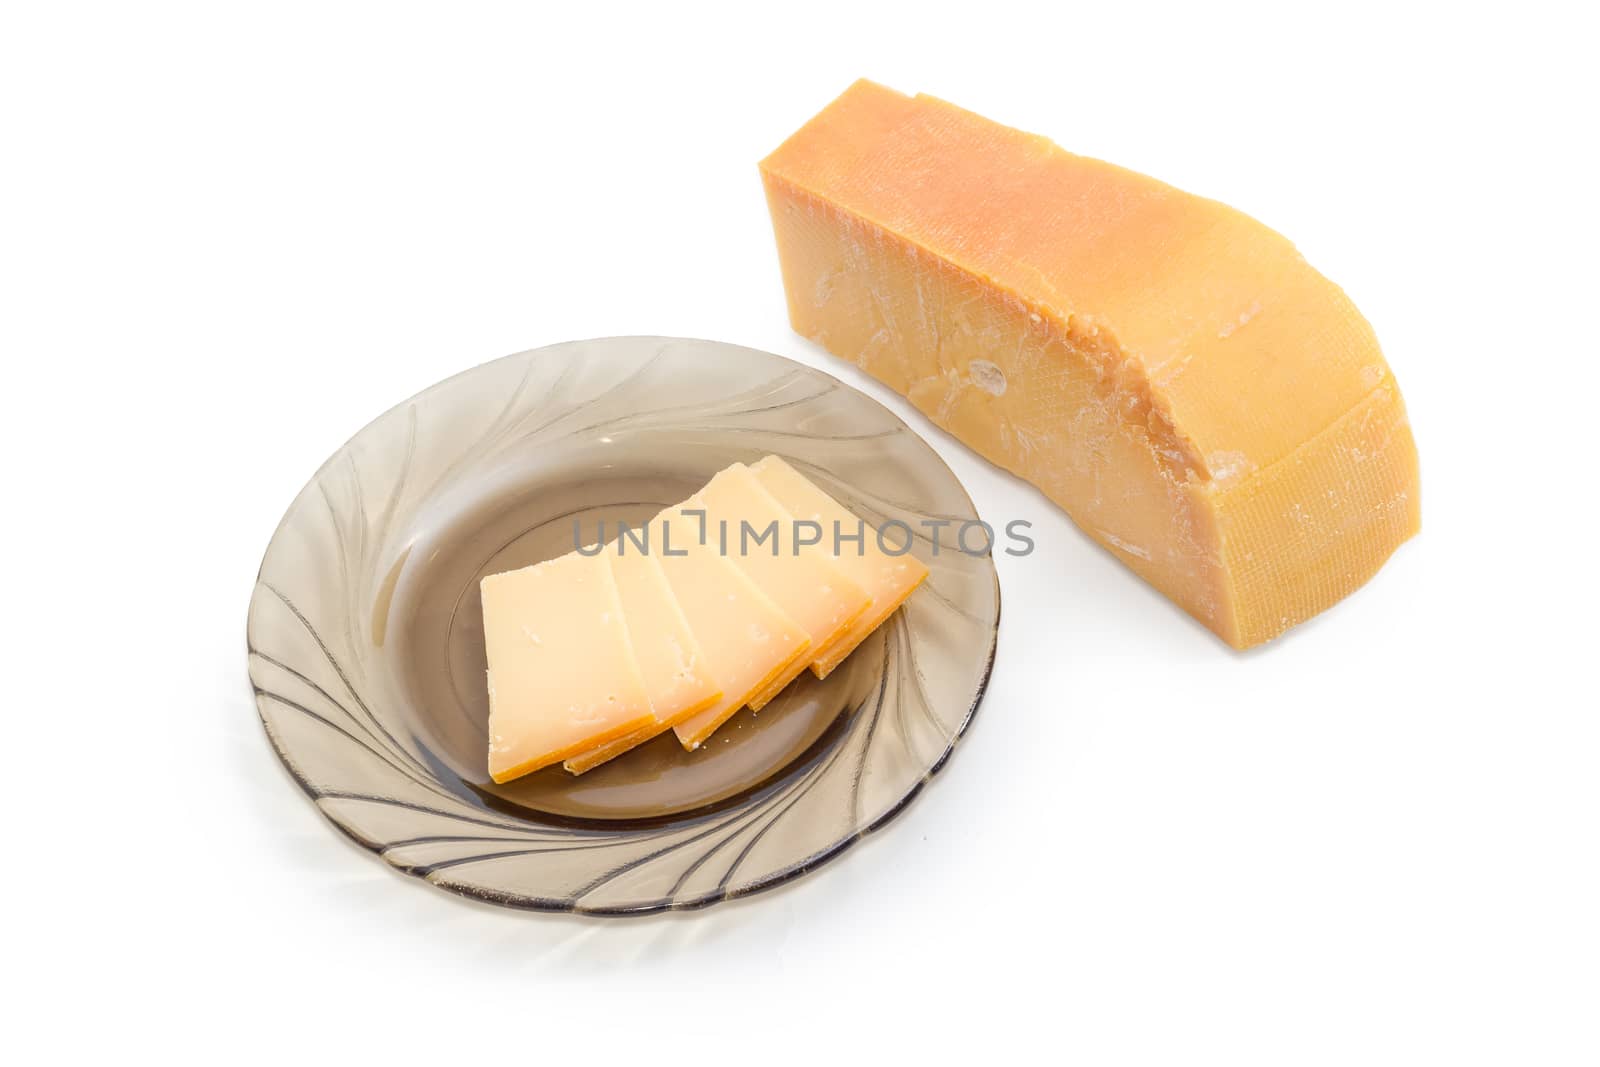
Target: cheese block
column 561, row 671
column 674, row 671
column 853, row 544
column 758, row 535
column 1202, row 402
column 746, row 639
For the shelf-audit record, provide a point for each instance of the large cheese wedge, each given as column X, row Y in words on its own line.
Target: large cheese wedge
column 759, row 536
column 1171, row 372
column 887, row 578
column 562, row 675
column 676, row 677
column 747, row 640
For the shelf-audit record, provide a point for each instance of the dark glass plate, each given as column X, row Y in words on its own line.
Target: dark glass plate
column 366, row 642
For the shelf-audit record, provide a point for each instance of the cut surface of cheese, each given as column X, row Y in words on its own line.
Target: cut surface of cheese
column 888, row 579
column 746, row 639
column 671, row 665
column 1202, row 402
column 561, row 671
column 758, row 534
column 597, row 652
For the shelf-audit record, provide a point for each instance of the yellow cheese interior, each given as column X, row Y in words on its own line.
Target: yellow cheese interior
column 747, row 639
column 803, row 581
column 561, row 670
column 888, row 579
column 599, row 651
column 671, row 665
column 1201, row 401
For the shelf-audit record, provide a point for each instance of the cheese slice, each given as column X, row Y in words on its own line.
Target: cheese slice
column 746, row 639
column 561, row 671
column 888, row 579
column 1202, row 402
column 674, row 671
column 758, row 534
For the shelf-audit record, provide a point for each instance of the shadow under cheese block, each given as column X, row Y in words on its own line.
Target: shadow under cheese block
column 1199, row 399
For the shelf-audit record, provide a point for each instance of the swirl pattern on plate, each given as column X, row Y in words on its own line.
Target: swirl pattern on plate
column 361, row 638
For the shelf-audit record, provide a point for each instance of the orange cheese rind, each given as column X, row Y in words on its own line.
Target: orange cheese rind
column 588, row 760
column 866, row 626
column 559, row 755
column 1201, row 401
column 693, row 731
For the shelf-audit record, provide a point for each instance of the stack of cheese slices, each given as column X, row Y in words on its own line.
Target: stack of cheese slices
column 716, row 604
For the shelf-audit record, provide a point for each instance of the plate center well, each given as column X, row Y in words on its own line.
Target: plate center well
column 434, row 648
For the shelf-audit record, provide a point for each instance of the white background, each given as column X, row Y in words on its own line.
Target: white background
column 231, row 234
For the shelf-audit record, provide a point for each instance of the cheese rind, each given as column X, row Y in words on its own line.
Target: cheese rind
column 561, row 671
column 888, row 579
column 802, row 580
column 1200, row 400
column 746, row 639
column 671, row 665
